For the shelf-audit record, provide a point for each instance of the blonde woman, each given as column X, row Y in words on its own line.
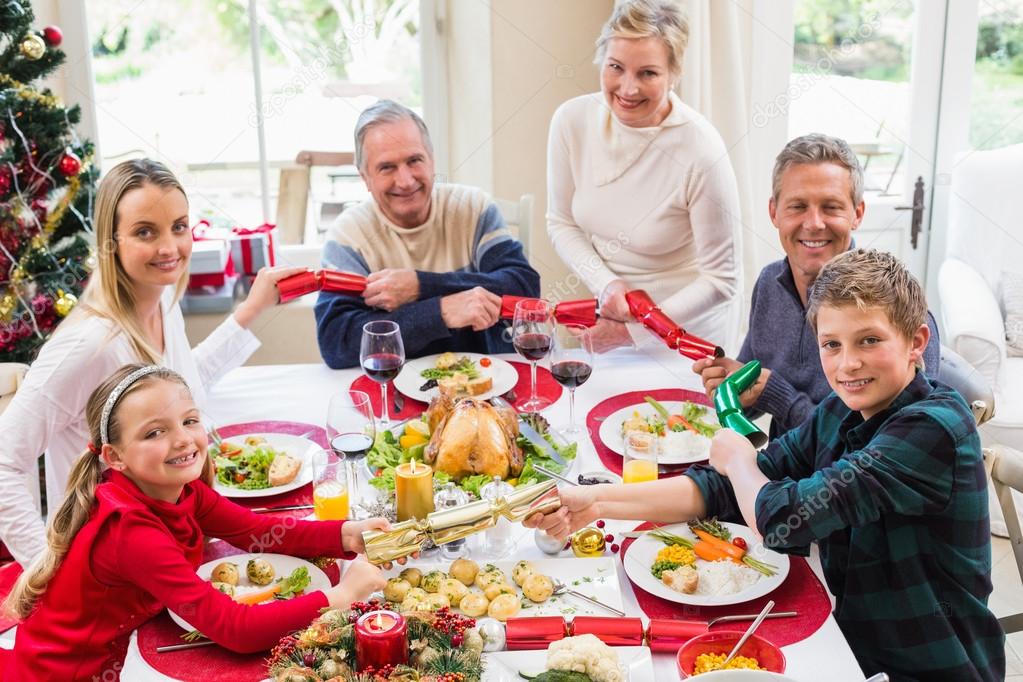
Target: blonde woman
column 128, row 313
column 640, row 190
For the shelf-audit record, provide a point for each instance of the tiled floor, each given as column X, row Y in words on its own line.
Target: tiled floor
column 1006, row 600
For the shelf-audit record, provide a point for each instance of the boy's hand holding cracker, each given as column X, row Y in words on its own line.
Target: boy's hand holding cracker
column 713, row 371
column 730, row 451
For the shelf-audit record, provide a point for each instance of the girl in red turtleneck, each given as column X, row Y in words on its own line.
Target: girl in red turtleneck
column 126, row 542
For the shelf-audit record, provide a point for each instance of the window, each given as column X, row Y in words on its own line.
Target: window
column 996, row 103
column 850, row 79
column 176, row 81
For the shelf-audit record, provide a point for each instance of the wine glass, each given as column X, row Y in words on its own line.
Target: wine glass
column 571, row 365
column 351, row 430
column 382, row 354
column 532, row 330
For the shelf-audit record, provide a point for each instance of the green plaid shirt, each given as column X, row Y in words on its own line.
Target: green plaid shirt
column 898, row 506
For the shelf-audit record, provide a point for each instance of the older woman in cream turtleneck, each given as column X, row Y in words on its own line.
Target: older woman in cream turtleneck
column 640, row 189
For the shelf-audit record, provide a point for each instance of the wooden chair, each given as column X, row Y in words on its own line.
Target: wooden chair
column 293, row 190
column 1006, row 468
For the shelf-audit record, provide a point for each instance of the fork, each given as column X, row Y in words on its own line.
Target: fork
column 562, row 588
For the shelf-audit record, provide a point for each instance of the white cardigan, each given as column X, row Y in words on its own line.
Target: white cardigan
column 657, row 207
column 48, row 411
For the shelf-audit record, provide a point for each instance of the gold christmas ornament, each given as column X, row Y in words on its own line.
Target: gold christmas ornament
column 17, row 274
column 7, row 302
column 33, row 47
column 588, row 542
column 64, row 303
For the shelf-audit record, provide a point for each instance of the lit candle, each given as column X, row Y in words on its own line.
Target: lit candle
column 381, row 638
column 413, row 489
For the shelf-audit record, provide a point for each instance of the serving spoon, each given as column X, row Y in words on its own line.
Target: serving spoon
column 746, row 635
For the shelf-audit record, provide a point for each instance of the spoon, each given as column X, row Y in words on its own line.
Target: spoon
column 742, row 640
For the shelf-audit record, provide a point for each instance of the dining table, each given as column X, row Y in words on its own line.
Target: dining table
column 301, row 393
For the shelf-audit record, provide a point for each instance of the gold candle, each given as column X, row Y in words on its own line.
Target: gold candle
column 413, row 489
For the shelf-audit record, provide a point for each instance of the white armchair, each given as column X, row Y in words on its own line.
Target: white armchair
column 985, row 239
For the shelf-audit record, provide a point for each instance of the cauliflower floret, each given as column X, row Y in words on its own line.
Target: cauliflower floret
column 585, row 654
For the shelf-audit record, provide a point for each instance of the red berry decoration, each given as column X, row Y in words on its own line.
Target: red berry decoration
column 609, row 538
column 740, row 543
column 456, row 640
column 615, row 548
column 600, row 523
column 70, row 165
column 53, row 35
column 309, row 659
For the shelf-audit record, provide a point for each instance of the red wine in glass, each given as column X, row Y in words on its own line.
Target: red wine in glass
column 533, row 347
column 351, row 445
column 571, row 373
column 382, row 367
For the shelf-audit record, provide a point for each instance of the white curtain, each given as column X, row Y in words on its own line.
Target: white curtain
column 737, row 65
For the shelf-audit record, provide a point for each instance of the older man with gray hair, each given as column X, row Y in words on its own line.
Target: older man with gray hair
column 816, row 204
column 438, row 257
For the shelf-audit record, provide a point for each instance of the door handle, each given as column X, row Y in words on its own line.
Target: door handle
column 916, row 225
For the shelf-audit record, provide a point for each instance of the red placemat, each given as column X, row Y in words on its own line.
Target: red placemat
column 546, row 386
column 801, row 592
column 9, row 574
column 205, row 663
column 605, row 408
column 411, row 408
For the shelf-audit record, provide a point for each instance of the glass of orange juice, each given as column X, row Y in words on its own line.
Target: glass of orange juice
column 639, row 463
column 330, row 487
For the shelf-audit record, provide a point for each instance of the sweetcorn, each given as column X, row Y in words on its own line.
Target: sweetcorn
column 705, row 663
column 677, row 554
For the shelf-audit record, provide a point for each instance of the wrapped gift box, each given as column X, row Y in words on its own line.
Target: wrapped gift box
column 209, row 257
column 252, row 249
column 209, row 299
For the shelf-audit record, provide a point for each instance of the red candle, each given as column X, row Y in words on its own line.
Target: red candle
column 381, row 638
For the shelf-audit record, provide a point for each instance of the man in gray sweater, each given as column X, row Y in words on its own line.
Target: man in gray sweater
column 816, row 204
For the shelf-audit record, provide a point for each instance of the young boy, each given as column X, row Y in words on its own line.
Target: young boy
column 887, row 477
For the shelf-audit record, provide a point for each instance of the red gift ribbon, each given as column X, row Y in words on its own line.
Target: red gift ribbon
column 646, row 311
column 341, row 282
column 212, row 279
column 534, row 633
column 582, row 312
column 611, row 631
column 669, row 635
column 246, row 244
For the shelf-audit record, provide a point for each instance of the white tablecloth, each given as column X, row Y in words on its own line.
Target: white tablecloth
column 301, row 393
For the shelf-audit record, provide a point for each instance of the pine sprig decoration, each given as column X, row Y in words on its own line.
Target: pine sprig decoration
column 456, row 661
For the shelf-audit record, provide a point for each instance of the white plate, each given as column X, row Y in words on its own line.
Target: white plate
column 596, row 577
column 611, row 429
column 641, row 554
column 504, row 666
column 409, row 380
column 302, row 448
column 283, row 566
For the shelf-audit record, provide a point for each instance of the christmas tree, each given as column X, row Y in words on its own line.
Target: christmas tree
column 47, row 182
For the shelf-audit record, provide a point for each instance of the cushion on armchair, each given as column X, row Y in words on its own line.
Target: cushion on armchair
column 972, row 318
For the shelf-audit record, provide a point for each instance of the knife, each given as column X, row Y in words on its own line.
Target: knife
column 534, row 437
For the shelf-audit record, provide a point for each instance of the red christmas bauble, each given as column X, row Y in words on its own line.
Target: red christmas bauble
column 70, row 165
column 5, row 180
column 53, row 35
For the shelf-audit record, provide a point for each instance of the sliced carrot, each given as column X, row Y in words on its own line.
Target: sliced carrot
column 726, row 547
column 253, row 598
column 679, row 419
column 708, row 552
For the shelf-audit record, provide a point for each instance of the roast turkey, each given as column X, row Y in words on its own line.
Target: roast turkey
column 473, row 437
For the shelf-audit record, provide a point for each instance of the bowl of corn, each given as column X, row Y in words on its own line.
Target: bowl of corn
column 705, row 653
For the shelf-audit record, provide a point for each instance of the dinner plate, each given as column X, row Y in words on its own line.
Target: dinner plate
column 596, row 578
column 610, row 432
column 302, row 448
column 283, row 566
column 409, row 379
column 642, row 552
column 504, row 666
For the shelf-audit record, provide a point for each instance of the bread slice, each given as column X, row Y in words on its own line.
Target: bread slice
column 283, row 469
column 459, row 385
